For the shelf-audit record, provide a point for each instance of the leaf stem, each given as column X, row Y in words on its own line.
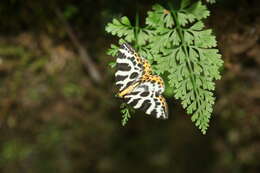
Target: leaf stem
column 185, row 49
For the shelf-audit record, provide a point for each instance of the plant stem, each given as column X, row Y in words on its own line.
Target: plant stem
column 136, row 31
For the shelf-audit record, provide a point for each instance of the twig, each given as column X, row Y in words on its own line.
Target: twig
column 86, row 60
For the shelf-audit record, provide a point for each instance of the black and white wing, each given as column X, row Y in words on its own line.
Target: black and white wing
column 129, row 68
column 147, row 97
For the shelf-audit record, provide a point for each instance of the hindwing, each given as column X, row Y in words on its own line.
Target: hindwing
column 147, row 97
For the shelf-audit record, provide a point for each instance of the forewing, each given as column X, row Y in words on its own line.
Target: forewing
column 129, row 67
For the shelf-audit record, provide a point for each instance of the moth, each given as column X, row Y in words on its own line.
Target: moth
column 137, row 85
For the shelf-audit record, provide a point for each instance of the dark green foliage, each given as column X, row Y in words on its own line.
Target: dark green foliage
column 181, row 49
column 125, row 110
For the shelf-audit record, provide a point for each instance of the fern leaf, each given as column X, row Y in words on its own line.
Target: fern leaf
column 179, row 47
column 187, row 55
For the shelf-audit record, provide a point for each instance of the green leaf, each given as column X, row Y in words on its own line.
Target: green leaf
column 204, row 39
column 168, row 20
column 112, row 64
column 175, row 38
column 192, row 107
column 125, row 21
column 159, row 42
column 197, row 26
column 121, row 28
column 125, row 111
column 159, row 17
column 188, row 38
column 113, row 50
column 198, row 10
column 146, row 53
column 165, row 63
column 180, row 56
column 183, row 18
column 155, row 17
column 143, row 37
column 185, row 3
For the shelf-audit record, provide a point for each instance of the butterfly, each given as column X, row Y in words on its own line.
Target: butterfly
column 137, row 85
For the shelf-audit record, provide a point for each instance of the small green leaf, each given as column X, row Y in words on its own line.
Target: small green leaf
column 112, row 64
column 204, row 39
column 188, row 38
column 121, row 28
column 198, row 10
column 143, row 37
column 185, row 3
column 183, row 18
column 155, row 17
column 168, row 20
column 197, row 26
column 113, row 50
column 125, row 111
column 125, row 21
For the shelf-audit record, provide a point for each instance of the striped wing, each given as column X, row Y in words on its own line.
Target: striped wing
column 147, row 97
column 130, row 67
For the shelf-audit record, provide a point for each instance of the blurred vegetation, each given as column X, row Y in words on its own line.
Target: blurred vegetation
column 55, row 117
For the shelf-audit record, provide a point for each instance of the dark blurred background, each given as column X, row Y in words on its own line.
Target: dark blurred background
column 58, row 112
